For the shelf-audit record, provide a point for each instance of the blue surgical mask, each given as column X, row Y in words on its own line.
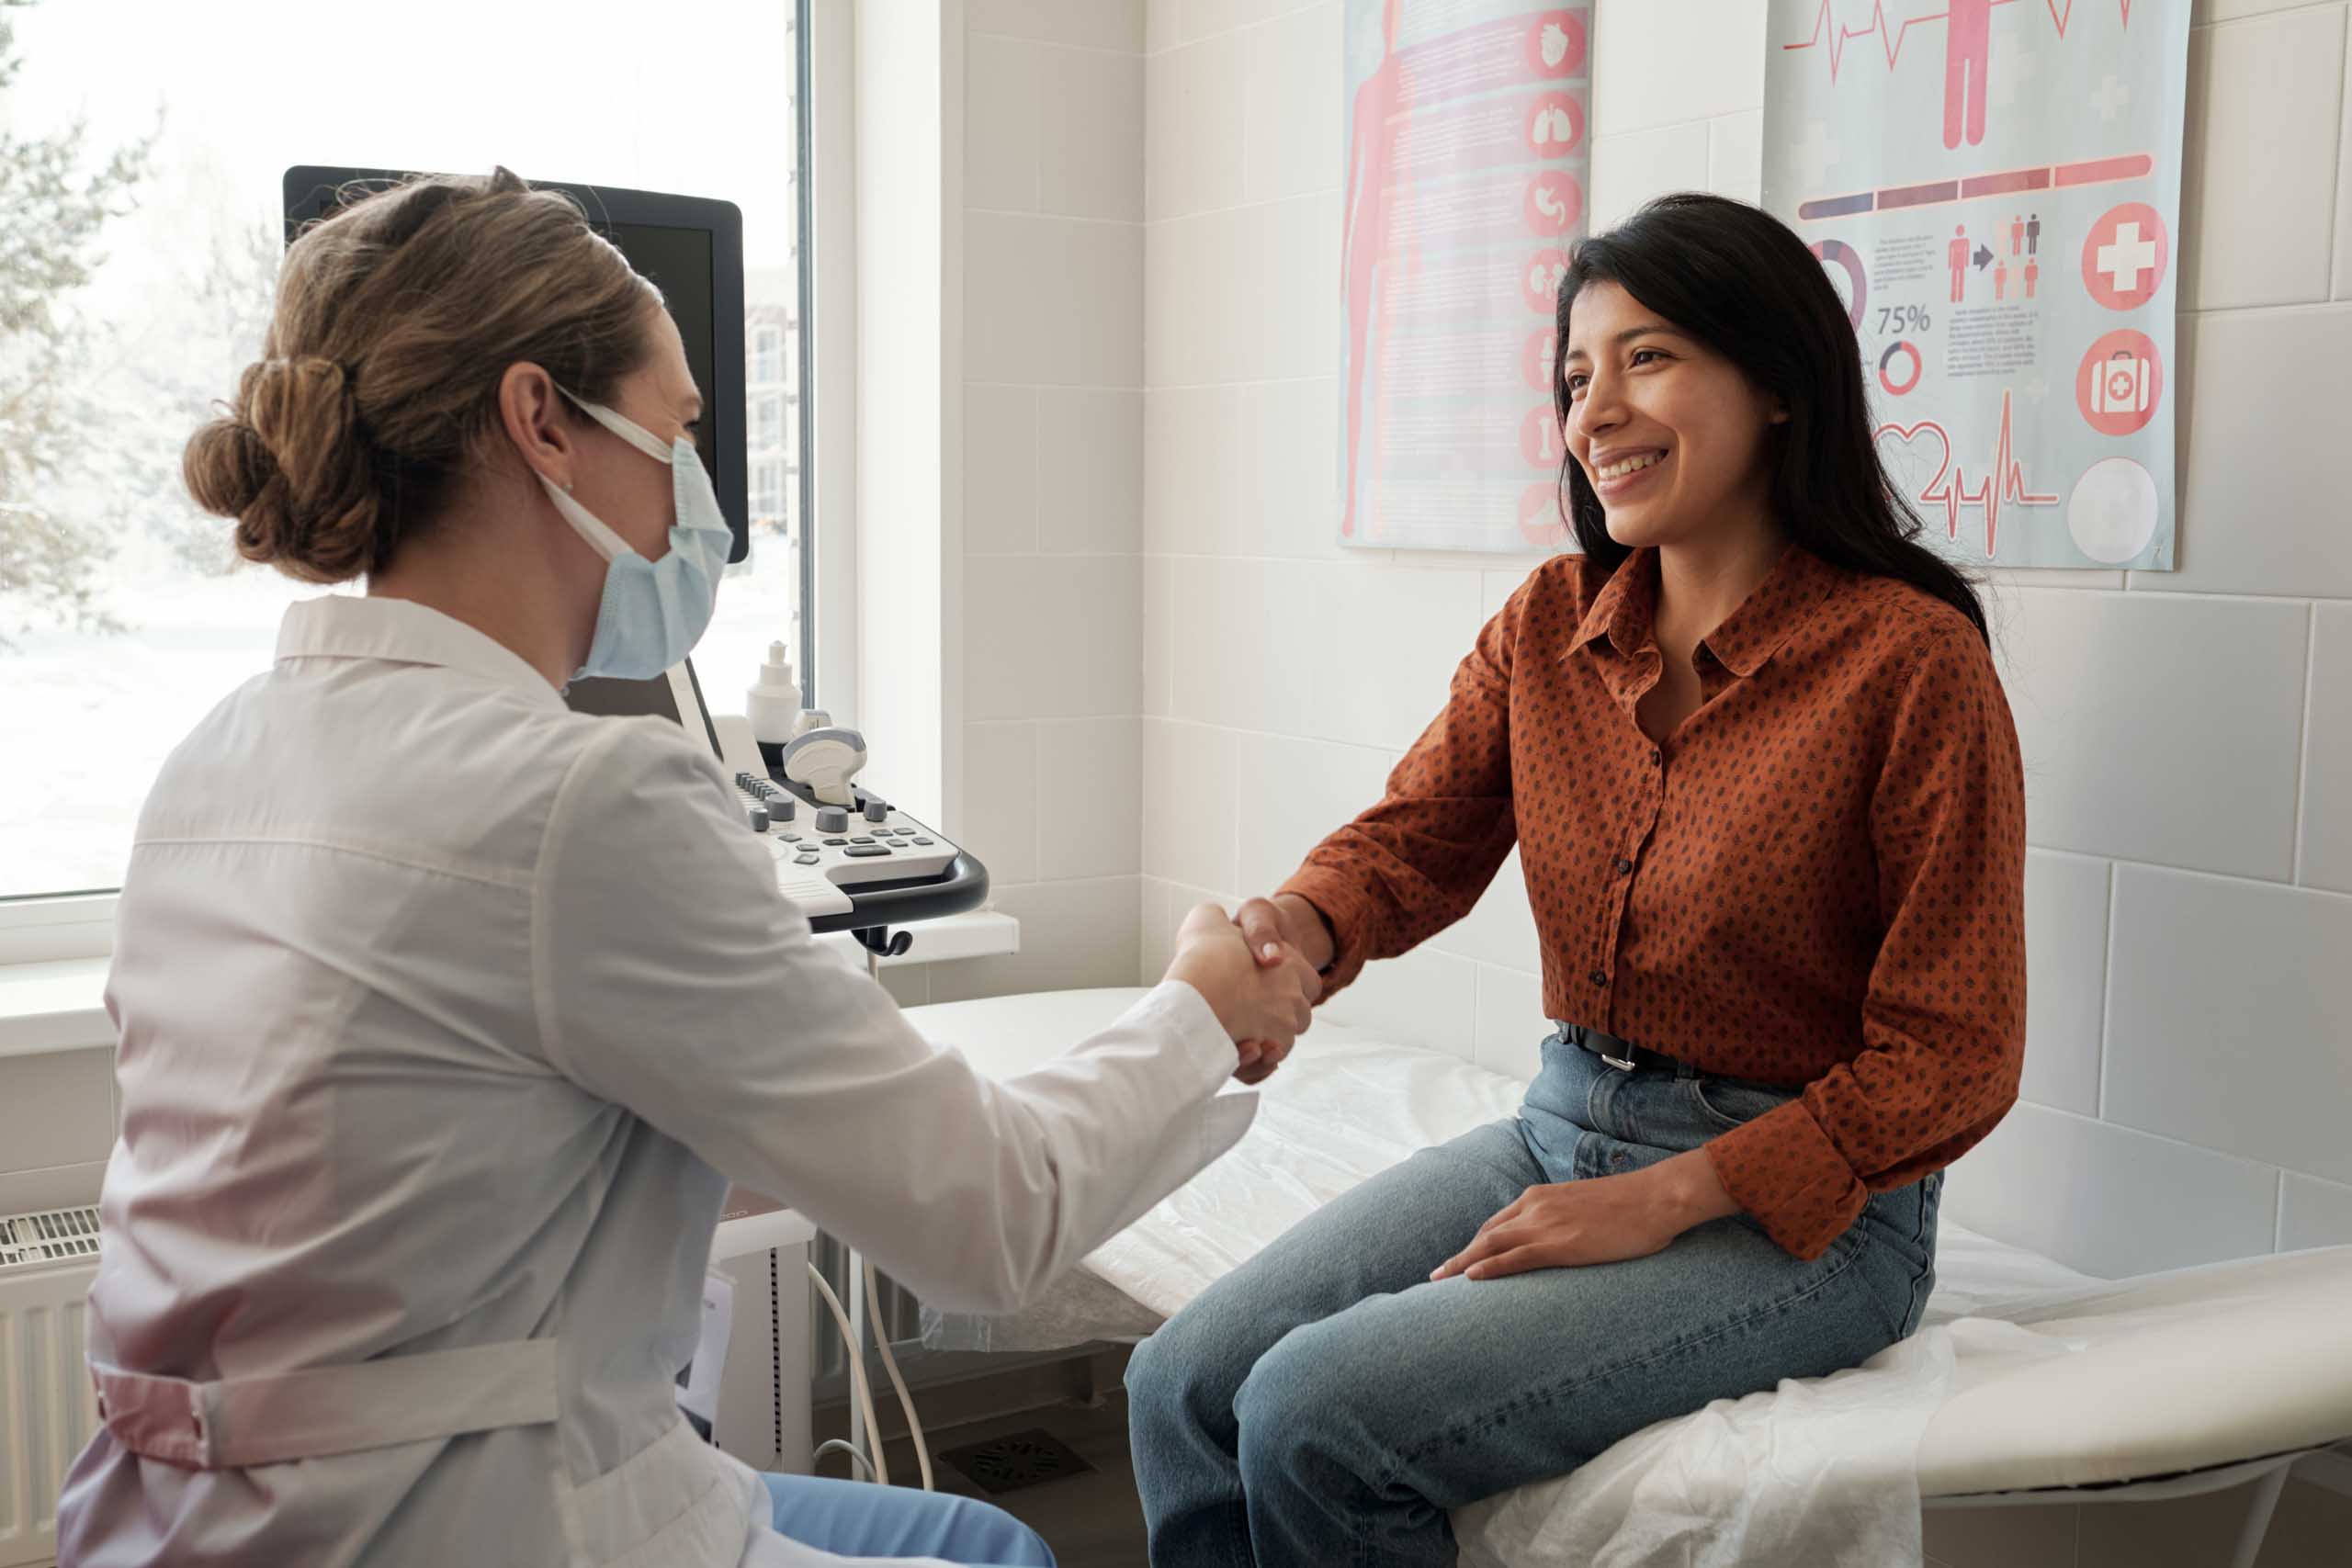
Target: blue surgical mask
column 653, row 610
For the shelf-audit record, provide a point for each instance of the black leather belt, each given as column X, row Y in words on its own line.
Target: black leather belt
column 1618, row 1054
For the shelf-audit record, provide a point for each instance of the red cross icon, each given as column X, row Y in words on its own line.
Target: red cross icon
column 2125, row 255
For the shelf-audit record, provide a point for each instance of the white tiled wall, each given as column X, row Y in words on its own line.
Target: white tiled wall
column 1053, row 487
column 2188, row 736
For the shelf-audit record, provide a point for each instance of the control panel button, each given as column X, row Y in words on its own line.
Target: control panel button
column 759, row 819
column 836, row 843
column 805, row 860
column 862, row 852
column 832, row 820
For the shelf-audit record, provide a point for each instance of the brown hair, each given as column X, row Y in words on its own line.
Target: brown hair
column 396, row 318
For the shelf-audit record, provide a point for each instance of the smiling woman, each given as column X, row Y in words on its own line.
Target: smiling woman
column 1767, row 799
column 1709, row 307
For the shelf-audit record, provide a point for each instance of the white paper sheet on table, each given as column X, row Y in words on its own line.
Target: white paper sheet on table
column 1819, row 1470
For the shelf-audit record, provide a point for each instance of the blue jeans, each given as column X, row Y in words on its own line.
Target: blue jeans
column 1326, row 1403
column 852, row 1519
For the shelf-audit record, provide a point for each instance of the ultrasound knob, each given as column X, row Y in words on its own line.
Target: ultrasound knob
column 831, row 820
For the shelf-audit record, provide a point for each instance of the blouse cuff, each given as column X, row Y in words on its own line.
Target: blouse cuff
column 1350, row 914
column 1783, row 1169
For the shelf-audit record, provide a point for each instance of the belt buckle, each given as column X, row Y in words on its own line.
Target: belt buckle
column 1623, row 1064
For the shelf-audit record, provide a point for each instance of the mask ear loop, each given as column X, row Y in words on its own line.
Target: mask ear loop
column 626, row 429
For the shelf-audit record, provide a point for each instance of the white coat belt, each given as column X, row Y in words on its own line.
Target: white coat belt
column 329, row 1410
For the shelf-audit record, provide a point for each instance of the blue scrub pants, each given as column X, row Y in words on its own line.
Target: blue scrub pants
column 854, row 1518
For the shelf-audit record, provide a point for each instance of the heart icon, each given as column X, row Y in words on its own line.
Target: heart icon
column 1915, row 455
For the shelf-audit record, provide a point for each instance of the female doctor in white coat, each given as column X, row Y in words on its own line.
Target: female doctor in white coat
column 447, row 1014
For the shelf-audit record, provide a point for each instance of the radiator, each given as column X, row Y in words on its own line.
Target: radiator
column 47, row 1409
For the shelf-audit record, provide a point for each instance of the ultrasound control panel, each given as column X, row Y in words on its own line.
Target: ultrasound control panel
column 849, row 868
column 823, row 851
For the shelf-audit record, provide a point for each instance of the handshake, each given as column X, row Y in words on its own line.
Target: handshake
column 1257, row 970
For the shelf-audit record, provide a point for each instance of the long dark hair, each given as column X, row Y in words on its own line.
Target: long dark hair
column 1737, row 277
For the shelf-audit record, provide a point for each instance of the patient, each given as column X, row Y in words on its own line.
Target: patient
column 1766, row 792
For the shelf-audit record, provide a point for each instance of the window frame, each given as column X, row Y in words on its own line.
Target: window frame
column 78, row 924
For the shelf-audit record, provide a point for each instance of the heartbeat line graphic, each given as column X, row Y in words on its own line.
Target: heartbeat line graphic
column 1826, row 29
column 2004, row 486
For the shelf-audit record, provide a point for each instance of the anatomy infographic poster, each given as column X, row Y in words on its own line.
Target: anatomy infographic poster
column 1464, row 187
column 1993, row 186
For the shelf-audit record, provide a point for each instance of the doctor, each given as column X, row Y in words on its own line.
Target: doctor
column 445, row 1014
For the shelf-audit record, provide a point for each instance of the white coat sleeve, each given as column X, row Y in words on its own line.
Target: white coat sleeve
column 671, row 976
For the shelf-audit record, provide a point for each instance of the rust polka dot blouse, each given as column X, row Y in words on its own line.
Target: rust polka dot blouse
column 1818, row 878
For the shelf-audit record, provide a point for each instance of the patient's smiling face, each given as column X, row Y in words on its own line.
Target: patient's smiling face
column 1670, row 434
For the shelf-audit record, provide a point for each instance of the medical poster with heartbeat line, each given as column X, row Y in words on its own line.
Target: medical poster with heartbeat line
column 1462, row 190
column 1993, row 188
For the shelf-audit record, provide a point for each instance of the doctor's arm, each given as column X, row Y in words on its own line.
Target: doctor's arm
column 672, row 979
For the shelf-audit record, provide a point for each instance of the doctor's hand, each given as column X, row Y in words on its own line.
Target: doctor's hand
column 1263, row 1005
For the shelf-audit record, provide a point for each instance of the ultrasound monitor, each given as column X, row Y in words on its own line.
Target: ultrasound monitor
column 675, row 694
column 692, row 250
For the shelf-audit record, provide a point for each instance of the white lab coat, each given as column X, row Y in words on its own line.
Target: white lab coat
column 446, row 1015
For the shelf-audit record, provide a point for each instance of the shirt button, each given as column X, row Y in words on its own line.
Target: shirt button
column 1624, row 866
column 1599, row 977
column 1658, row 755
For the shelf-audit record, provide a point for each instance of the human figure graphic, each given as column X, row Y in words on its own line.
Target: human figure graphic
column 1364, row 228
column 1968, row 46
column 2033, row 235
column 1956, row 257
column 2001, row 278
column 2017, row 235
column 2033, row 276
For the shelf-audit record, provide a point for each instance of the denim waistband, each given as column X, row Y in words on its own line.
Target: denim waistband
column 1645, row 1060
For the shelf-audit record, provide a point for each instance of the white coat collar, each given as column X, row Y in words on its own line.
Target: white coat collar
column 346, row 625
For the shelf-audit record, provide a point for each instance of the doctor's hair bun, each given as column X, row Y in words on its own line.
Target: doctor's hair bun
column 377, row 397
column 290, row 463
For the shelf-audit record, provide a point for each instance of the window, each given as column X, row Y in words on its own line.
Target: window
column 767, row 355
column 124, row 614
column 767, row 491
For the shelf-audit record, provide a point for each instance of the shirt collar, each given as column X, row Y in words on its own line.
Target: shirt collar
column 1623, row 609
column 1772, row 612
column 346, row 626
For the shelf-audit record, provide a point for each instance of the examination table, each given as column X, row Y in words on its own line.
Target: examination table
column 2046, row 1385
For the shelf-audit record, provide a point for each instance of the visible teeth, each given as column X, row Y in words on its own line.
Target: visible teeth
column 1631, row 466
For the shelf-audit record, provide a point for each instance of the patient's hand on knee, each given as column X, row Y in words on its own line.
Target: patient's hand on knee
column 1264, row 1002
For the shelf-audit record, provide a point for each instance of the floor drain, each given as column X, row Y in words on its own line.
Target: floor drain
column 1017, row 1459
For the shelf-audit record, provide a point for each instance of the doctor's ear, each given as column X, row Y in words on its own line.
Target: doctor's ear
column 531, row 412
